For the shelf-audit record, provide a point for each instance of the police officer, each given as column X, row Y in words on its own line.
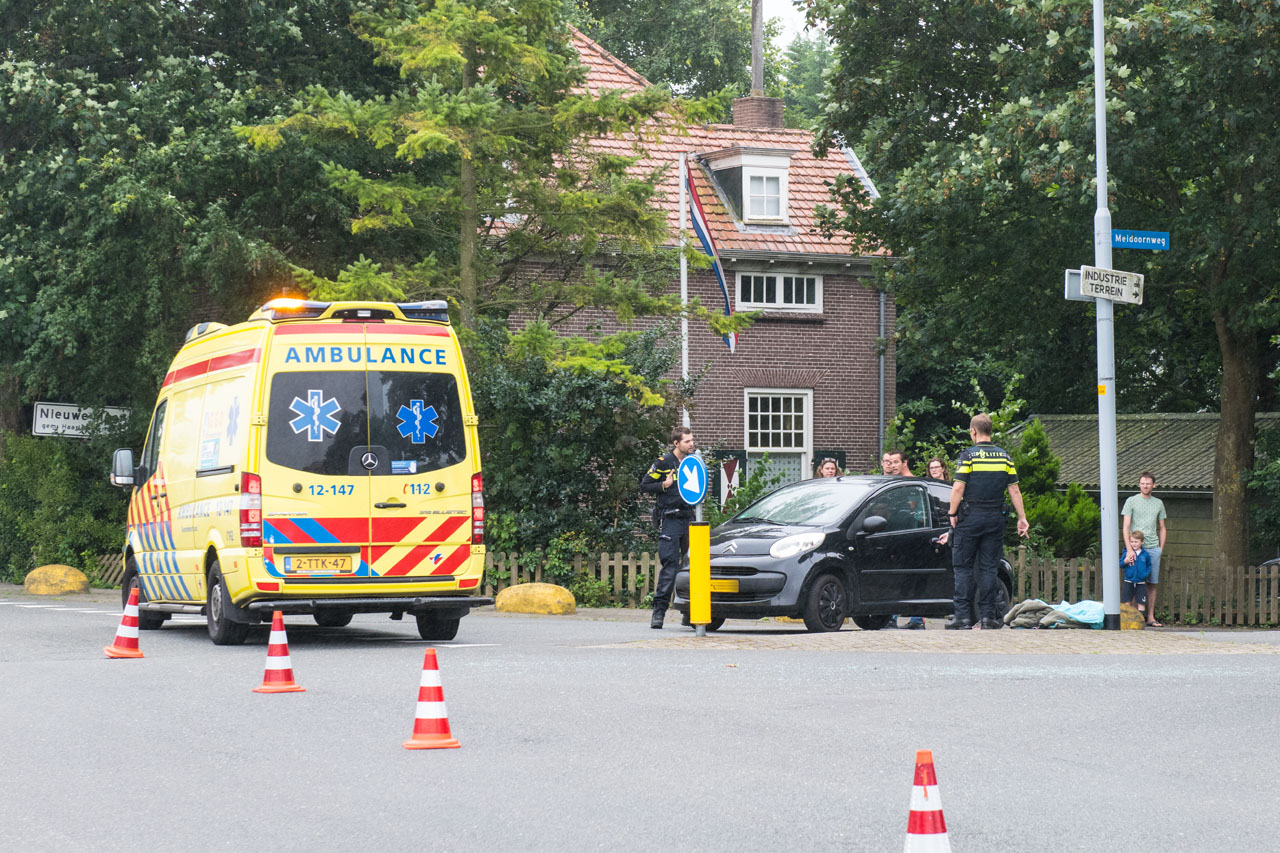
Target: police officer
column 983, row 473
column 672, row 515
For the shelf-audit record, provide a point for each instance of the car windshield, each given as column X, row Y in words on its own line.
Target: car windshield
column 813, row 502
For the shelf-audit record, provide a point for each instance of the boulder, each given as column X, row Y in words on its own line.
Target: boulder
column 1131, row 618
column 56, row 580
column 545, row 599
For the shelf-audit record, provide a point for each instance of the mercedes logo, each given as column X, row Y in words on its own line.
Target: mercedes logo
column 369, row 461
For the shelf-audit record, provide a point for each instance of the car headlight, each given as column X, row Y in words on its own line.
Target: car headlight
column 794, row 546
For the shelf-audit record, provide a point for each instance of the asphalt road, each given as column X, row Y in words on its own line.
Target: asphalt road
column 575, row 738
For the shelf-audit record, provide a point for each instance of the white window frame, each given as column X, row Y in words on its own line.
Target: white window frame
column 749, row 172
column 753, row 305
column 806, row 430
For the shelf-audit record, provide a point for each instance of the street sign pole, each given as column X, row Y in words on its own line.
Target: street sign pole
column 1106, row 349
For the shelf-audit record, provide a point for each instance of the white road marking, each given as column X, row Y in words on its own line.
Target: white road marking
column 42, row 606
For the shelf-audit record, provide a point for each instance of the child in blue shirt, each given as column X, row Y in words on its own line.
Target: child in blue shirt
column 1136, row 572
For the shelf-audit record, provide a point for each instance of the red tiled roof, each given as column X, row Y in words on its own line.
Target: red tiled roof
column 809, row 177
column 604, row 70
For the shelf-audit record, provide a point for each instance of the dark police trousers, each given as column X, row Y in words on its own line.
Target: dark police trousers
column 673, row 546
column 979, row 543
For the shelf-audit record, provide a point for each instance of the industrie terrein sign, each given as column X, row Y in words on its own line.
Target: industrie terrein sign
column 1115, row 285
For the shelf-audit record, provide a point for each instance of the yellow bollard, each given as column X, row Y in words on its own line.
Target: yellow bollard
column 700, row 576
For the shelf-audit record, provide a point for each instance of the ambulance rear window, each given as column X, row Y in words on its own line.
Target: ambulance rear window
column 315, row 420
column 417, row 417
column 323, row 422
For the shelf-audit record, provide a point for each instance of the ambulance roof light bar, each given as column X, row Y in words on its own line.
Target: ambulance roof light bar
column 432, row 309
column 293, row 309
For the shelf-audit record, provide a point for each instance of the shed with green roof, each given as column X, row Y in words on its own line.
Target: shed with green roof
column 1177, row 449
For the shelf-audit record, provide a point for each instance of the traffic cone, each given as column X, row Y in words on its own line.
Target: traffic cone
column 278, row 677
column 126, row 643
column 926, row 829
column 431, row 720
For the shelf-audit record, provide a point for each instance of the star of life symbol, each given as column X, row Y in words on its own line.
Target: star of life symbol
column 315, row 415
column 416, row 423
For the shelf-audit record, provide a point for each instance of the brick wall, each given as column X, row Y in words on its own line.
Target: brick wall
column 833, row 354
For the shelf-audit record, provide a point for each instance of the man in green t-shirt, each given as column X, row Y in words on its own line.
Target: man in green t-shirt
column 1146, row 513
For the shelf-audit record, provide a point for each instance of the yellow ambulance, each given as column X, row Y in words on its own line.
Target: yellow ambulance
column 319, row 458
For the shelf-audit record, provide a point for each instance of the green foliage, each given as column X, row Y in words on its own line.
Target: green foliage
column 1264, row 495
column 978, row 128
column 753, row 484
column 804, row 65
column 1065, row 525
column 697, row 47
column 128, row 208
column 484, row 148
column 56, row 506
column 567, row 428
column 1037, row 466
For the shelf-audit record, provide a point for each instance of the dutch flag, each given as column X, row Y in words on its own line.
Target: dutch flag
column 699, row 222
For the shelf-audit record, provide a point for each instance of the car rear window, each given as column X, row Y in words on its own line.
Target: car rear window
column 812, row 502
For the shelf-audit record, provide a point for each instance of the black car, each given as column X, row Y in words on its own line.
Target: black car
column 825, row 549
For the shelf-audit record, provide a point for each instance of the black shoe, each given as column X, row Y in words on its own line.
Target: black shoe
column 658, row 617
column 892, row 623
column 958, row 624
column 992, row 624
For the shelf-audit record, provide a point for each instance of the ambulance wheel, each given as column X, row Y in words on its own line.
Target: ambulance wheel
column 433, row 627
column 146, row 621
column 222, row 630
column 332, row 618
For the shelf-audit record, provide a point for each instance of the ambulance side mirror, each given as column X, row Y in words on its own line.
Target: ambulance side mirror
column 122, row 472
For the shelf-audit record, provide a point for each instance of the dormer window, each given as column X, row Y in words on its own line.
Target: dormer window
column 764, row 197
column 753, row 181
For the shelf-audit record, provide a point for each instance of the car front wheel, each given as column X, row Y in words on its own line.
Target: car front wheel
column 871, row 623
column 826, row 604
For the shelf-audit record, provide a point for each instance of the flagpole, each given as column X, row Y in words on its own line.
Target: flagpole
column 684, row 280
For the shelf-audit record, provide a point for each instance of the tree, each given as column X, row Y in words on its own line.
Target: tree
column 977, row 119
column 697, row 47
column 804, row 64
column 565, row 442
column 491, row 137
column 128, row 207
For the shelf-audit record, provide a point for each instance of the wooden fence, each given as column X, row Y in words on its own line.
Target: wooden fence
column 1192, row 594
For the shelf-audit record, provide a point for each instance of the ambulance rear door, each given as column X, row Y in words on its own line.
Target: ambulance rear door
column 418, row 402
column 317, row 461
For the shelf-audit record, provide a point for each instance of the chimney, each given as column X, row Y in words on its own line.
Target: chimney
column 756, row 111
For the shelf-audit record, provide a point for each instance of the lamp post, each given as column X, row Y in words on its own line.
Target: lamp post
column 1105, row 308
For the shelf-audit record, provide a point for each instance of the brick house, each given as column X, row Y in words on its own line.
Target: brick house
column 808, row 379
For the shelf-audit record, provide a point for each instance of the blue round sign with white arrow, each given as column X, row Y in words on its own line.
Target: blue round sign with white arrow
column 691, row 480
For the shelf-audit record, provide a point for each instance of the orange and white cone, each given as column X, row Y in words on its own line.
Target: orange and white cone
column 431, row 720
column 126, row 642
column 278, row 677
column 926, row 829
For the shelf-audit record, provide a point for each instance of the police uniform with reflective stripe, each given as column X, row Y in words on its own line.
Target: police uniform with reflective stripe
column 673, row 516
column 986, row 471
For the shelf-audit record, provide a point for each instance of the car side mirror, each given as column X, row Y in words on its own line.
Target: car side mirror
column 122, row 471
column 874, row 523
